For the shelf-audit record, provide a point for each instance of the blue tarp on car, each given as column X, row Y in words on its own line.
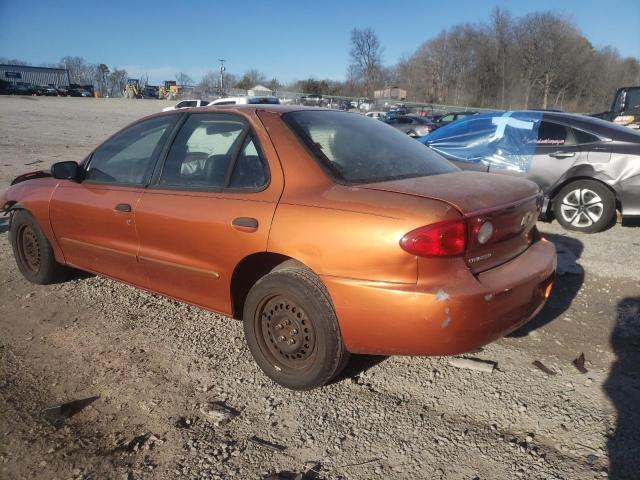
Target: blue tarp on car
column 497, row 140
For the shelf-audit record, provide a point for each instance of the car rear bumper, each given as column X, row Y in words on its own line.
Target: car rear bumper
column 629, row 195
column 402, row 319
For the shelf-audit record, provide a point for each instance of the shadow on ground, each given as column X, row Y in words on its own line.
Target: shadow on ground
column 631, row 222
column 623, row 388
column 358, row 364
column 567, row 284
column 4, row 224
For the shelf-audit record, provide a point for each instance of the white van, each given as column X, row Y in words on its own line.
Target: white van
column 246, row 101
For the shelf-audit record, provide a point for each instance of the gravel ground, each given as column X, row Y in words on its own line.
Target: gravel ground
column 178, row 395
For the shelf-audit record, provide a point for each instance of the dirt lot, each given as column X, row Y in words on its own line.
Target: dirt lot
column 158, row 367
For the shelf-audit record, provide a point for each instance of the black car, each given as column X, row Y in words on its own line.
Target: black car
column 312, row 100
column 447, row 118
column 78, row 92
column 412, row 125
column 586, row 167
column 48, row 91
column 23, row 89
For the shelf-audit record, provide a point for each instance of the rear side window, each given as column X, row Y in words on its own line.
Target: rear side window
column 584, row 137
column 356, row 150
column 249, row 171
column 202, row 151
column 553, row 134
column 213, row 151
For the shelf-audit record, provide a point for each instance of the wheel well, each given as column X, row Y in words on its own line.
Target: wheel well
column 251, row 269
column 574, row 179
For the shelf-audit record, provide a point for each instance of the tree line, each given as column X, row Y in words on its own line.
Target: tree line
column 540, row 60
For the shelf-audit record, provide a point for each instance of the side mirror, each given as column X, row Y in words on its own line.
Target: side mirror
column 66, row 170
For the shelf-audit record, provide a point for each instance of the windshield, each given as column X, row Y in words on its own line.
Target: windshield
column 358, row 149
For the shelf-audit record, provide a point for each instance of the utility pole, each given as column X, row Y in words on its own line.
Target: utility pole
column 222, row 70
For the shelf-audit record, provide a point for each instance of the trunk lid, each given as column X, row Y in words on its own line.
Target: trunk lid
column 510, row 204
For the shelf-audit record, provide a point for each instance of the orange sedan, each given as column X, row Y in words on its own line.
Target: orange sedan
column 325, row 232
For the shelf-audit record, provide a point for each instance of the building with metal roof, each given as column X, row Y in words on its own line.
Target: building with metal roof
column 23, row 74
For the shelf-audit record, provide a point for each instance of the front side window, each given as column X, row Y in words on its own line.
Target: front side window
column 129, row 157
column 205, row 150
column 357, row 150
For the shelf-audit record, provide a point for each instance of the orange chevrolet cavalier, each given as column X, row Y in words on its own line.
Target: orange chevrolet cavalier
column 325, row 232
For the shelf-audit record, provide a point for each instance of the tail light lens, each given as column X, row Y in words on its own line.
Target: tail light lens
column 443, row 239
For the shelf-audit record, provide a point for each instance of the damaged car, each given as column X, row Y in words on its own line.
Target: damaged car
column 324, row 232
column 587, row 168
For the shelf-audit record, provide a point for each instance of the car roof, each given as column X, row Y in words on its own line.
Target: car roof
column 594, row 125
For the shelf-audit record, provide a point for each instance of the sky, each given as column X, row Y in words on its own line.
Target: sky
column 284, row 39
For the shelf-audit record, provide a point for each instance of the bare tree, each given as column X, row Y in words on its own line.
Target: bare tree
column 117, row 82
column 80, row 71
column 501, row 23
column 12, row 61
column 250, row 79
column 366, row 59
column 101, row 76
column 184, row 79
column 209, row 83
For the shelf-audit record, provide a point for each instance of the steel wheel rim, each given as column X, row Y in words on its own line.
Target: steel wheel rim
column 286, row 335
column 582, row 207
column 29, row 249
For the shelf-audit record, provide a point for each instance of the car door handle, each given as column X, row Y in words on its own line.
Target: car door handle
column 562, row 154
column 245, row 224
column 123, row 207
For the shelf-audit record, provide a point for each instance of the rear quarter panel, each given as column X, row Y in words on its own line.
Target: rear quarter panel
column 339, row 230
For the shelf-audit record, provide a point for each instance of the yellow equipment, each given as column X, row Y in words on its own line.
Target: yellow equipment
column 132, row 89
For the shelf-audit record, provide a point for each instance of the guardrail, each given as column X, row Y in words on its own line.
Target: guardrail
column 374, row 104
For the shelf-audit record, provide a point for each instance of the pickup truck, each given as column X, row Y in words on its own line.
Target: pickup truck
column 625, row 108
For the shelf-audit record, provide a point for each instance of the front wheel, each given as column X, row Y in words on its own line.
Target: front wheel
column 32, row 251
column 585, row 206
column 292, row 331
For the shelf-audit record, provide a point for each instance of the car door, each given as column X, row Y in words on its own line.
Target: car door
column 210, row 205
column 94, row 219
column 555, row 152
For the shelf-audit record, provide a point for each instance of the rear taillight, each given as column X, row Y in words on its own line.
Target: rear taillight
column 443, row 239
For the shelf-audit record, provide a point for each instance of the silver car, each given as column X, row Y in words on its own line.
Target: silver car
column 587, row 168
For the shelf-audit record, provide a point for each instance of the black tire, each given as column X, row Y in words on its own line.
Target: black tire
column 586, row 206
column 292, row 330
column 33, row 252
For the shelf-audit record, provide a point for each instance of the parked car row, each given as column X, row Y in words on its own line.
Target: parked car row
column 248, row 100
column 29, row 89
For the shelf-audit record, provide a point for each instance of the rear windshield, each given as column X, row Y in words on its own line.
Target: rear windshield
column 358, row 149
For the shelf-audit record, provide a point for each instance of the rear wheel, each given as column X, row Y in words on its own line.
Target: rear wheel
column 585, row 206
column 292, row 330
column 33, row 252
